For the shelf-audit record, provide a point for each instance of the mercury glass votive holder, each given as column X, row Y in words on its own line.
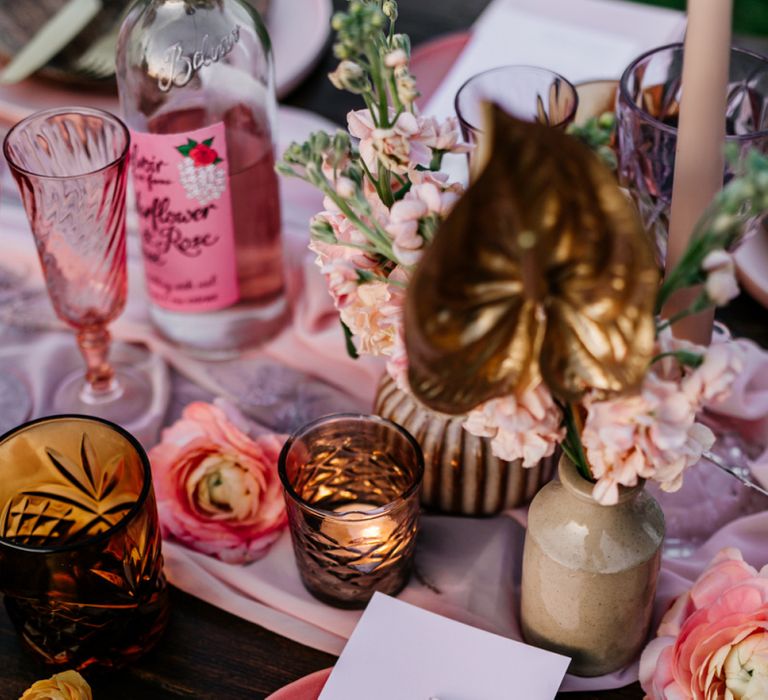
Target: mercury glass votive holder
column 352, row 491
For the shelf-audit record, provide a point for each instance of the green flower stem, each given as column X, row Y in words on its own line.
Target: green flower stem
column 684, row 357
column 372, row 179
column 372, row 52
column 376, row 235
column 398, row 105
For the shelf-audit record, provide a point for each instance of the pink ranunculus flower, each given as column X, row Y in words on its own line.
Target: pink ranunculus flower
column 218, row 489
column 713, row 642
column 526, row 427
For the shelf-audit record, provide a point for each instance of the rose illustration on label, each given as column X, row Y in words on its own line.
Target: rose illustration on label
column 200, row 175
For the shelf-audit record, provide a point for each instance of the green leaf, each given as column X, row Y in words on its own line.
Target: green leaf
column 573, row 446
column 208, row 142
column 187, row 147
column 218, row 160
column 351, row 349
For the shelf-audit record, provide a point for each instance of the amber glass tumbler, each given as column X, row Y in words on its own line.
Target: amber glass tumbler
column 352, row 491
column 80, row 559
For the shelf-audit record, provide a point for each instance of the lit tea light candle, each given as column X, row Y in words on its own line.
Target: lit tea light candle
column 352, row 493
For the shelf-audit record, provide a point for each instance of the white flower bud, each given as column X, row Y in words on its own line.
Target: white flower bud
column 396, row 58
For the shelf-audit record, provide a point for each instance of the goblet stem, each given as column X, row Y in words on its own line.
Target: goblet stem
column 100, row 382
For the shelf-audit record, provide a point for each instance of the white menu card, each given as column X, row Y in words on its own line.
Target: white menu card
column 401, row 652
column 580, row 39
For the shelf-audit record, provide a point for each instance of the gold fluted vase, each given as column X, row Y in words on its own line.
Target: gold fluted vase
column 461, row 474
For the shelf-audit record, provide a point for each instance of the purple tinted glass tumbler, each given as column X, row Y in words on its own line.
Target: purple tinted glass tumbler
column 71, row 166
column 648, row 106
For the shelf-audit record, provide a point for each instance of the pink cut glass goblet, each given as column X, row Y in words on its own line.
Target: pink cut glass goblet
column 71, row 165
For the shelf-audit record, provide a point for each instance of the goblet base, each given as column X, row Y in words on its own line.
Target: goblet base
column 125, row 401
column 15, row 402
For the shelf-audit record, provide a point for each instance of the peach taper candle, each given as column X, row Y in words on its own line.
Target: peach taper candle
column 700, row 141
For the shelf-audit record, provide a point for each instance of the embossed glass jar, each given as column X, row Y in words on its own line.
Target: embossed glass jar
column 352, row 493
column 196, row 85
column 462, row 476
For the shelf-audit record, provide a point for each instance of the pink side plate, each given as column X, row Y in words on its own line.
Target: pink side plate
column 431, row 61
column 752, row 266
column 307, row 688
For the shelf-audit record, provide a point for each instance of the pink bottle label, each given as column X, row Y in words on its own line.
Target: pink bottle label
column 185, row 218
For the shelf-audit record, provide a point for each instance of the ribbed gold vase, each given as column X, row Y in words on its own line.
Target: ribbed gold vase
column 461, row 474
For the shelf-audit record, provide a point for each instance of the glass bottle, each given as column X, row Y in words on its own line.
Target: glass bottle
column 196, row 85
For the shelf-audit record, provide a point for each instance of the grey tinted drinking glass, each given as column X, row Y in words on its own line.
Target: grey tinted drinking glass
column 352, row 492
column 526, row 92
column 648, row 107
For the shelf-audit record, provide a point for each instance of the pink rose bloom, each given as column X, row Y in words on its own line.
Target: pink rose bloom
column 713, row 642
column 527, row 427
column 217, row 489
column 398, row 148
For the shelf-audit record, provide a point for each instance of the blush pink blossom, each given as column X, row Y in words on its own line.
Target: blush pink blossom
column 713, row 642
column 525, row 427
column 711, row 382
column 399, row 148
column 217, row 489
column 443, row 136
column 721, row 285
column 649, row 435
column 403, row 227
column 374, row 316
column 342, row 280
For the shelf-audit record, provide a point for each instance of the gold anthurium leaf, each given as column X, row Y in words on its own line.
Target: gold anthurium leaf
column 541, row 270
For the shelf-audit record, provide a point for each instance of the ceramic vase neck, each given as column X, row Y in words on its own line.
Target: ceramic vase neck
column 577, row 485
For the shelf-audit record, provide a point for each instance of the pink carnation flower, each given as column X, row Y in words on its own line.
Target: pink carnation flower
column 713, row 642
column 217, row 489
column 527, row 427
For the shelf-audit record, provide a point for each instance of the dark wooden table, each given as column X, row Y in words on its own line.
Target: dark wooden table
column 208, row 654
